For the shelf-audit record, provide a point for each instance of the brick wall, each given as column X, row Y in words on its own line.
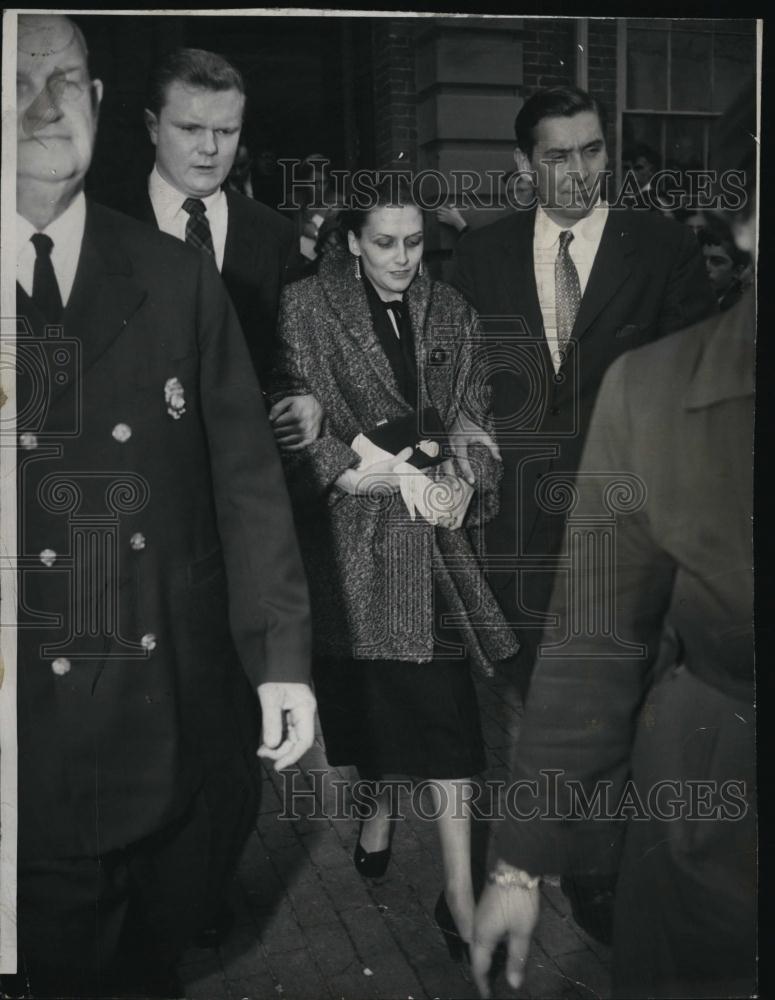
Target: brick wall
column 550, row 60
column 549, row 53
column 395, row 117
column 602, row 71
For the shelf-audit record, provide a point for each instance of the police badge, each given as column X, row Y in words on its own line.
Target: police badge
column 174, row 398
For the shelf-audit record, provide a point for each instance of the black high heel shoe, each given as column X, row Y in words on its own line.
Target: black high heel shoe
column 457, row 947
column 370, row 864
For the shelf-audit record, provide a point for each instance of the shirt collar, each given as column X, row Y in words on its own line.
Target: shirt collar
column 66, row 230
column 169, row 201
column 589, row 229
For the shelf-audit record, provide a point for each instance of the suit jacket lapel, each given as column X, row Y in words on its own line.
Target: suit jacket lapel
column 610, row 270
column 241, row 240
column 517, row 275
column 245, row 253
column 515, row 269
column 142, row 202
column 105, row 295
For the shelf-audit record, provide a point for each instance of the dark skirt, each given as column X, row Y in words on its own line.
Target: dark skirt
column 390, row 717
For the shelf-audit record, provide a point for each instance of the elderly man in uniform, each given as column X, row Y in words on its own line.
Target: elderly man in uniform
column 158, row 552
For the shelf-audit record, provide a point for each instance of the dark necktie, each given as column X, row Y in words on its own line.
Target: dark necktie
column 567, row 290
column 45, row 290
column 197, row 227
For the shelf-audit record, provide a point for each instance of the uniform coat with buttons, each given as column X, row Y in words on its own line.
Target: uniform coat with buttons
column 648, row 279
column 685, row 913
column 157, row 546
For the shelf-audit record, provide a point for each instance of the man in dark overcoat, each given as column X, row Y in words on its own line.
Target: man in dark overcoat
column 157, row 554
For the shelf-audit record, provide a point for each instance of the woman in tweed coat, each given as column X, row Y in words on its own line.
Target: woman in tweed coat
column 376, row 340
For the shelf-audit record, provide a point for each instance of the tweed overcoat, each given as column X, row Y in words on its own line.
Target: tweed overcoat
column 370, row 567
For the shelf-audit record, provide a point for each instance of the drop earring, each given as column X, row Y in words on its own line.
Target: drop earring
column 421, row 269
column 358, row 268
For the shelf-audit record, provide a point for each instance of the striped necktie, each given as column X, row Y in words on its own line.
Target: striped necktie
column 197, row 227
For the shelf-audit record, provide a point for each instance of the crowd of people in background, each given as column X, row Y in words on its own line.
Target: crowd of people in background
column 729, row 268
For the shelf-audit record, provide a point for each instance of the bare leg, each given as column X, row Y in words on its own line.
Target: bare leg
column 451, row 803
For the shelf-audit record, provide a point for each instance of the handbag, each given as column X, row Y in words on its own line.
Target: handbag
column 424, row 432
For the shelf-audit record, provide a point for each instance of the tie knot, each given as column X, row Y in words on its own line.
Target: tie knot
column 395, row 307
column 194, row 206
column 565, row 238
column 43, row 244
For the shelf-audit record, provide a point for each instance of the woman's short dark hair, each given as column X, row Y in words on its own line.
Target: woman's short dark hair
column 196, row 68
column 552, row 102
column 385, row 189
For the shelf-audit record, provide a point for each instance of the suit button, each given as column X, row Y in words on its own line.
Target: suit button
column 28, row 441
column 137, row 541
column 148, row 641
column 122, row 433
column 48, row 557
column 61, row 666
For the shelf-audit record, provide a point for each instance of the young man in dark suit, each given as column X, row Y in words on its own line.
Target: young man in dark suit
column 194, row 118
column 565, row 288
column 157, row 554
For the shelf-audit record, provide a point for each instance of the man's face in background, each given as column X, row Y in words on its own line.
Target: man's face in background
column 196, row 135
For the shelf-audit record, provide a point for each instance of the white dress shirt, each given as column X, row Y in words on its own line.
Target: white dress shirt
column 171, row 217
column 66, row 233
column 583, row 248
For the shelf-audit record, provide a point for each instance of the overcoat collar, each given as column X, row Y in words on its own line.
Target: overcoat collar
column 725, row 366
column 347, row 298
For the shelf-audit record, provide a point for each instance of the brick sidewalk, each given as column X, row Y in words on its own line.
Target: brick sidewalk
column 309, row 927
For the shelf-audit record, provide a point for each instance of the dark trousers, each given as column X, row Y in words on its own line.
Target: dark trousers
column 116, row 925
